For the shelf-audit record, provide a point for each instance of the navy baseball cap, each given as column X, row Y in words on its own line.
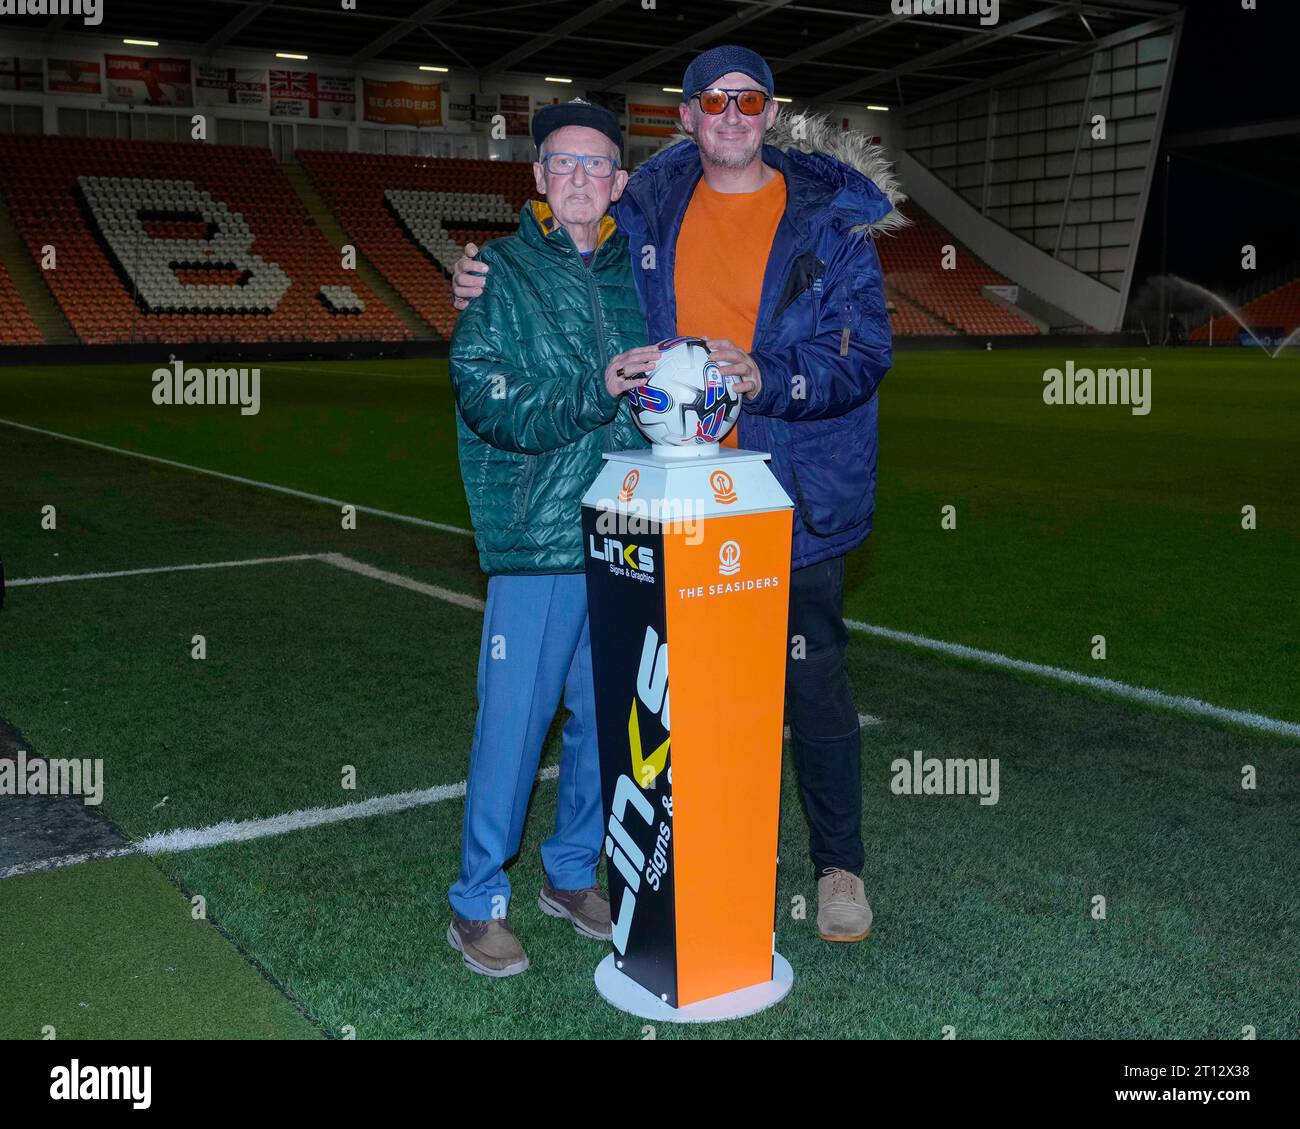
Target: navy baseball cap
column 706, row 69
column 577, row 112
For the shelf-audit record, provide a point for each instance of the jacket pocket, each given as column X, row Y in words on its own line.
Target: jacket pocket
column 524, row 491
column 832, row 465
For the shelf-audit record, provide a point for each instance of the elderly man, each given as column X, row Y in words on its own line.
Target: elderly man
column 538, row 369
column 766, row 250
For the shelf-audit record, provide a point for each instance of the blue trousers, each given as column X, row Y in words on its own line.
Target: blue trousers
column 536, row 647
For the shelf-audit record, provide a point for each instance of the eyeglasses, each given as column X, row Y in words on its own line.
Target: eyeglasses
column 751, row 103
column 561, row 164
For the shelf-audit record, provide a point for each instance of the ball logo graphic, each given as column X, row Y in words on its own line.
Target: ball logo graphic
column 687, row 401
column 729, row 558
column 724, row 491
column 629, row 484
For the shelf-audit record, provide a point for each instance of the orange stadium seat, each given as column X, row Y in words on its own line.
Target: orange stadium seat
column 411, row 215
column 16, row 325
column 912, row 264
column 94, row 200
column 173, row 242
column 1278, row 308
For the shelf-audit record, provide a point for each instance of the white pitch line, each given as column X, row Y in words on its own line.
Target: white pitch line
column 338, row 560
column 160, row 568
column 1181, row 703
column 1176, row 702
column 243, row 481
column 59, row 862
column 242, row 831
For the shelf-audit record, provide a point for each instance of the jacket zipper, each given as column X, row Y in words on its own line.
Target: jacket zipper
column 589, row 273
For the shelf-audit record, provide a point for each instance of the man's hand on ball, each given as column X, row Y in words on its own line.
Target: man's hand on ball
column 734, row 362
column 631, row 369
column 467, row 278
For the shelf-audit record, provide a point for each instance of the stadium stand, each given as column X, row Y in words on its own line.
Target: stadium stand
column 1278, row 308
column 224, row 243
column 16, row 324
column 912, row 260
column 410, row 216
column 210, row 238
column 906, row 317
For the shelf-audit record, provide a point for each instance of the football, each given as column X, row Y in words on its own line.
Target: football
column 687, row 402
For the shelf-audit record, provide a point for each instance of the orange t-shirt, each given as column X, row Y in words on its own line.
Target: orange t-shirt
column 722, row 253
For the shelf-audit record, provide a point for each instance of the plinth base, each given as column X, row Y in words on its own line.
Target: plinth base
column 627, row 995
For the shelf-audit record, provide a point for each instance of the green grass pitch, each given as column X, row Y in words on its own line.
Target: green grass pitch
column 1071, row 522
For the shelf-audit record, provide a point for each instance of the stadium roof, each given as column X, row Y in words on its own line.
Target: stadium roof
column 820, row 50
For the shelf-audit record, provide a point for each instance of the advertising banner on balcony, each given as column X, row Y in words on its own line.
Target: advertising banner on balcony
column 149, row 81
column 518, row 111
column 402, row 103
column 653, row 121
column 74, row 76
column 306, row 94
column 471, row 107
column 21, row 74
column 230, row 86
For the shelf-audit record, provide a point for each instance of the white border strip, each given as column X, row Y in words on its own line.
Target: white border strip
column 241, row 831
column 243, row 481
column 1178, row 702
column 338, row 560
column 230, row 831
column 19, row 583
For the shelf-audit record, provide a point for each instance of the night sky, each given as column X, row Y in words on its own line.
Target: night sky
column 1233, row 67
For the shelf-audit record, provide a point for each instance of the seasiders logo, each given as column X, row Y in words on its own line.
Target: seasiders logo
column 729, row 565
column 629, row 485
column 723, row 487
column 636, row 561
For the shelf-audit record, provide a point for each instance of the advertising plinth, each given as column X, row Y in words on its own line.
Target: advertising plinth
column 688, row 565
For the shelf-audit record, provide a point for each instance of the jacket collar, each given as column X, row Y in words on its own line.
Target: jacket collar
column 539, row 226
column 815, row 185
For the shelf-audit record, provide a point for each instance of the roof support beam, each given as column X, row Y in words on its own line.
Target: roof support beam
column 953, row 50
column 1047, row 62
column 713, row 31
column 863, row 30
column 399, row 31
column 235, row 25
column 560, row 31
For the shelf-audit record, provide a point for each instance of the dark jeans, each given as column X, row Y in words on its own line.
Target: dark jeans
column 823, row 720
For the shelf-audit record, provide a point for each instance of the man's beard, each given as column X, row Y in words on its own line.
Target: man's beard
column 723, row 161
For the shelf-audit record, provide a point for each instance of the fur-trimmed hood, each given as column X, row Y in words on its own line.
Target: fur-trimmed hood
column 815, row 135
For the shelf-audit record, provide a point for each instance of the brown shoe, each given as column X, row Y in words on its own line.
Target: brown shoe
column 842, row 910
column 489, row 948
column 588, row 909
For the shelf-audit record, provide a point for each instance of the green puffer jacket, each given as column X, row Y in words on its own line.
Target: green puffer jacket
column 533, row 415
